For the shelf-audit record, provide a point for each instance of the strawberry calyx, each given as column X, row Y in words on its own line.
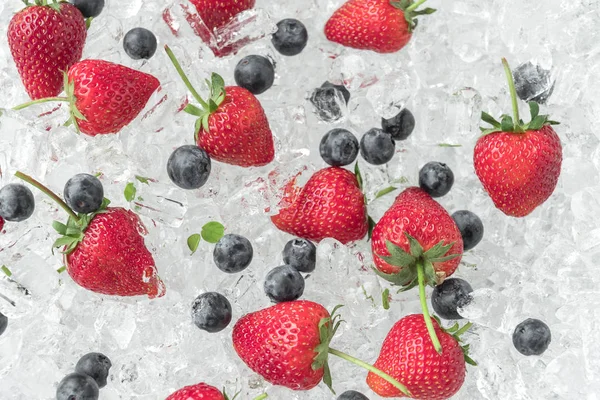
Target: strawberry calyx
column 53, row 4
column 216, row 98
column 515, row 124
column 456, row 332
column 409, row 8
column 259, row 397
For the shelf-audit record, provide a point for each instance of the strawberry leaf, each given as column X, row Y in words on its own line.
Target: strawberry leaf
column 397, row 253
column 193, row 110
column 327, row 329
column 534, row 109
column 489, row 119
column 416, row 250
column 371, row 223
column 358, row 176
column 59, row 227
column 385, row 191
column 143, row 179
column 213, row 231
column 88, row 22
column 507, row 124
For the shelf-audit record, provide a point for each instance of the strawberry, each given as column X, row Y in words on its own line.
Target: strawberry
column 232, row 126
column 518, row 164
column 104, row 251
column 331, row 204
column 383, row 26
column 216, row 13
column 1, row 224
column 408, row 356
column 201, row 391
column 104, row 97
column 45, row 40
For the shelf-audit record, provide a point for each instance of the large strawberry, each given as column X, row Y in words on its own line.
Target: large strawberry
column 331, row 204
column 232, row 126
column 216, row 13
column 104, row 251
column 416, row 243
column 104, row 97
column 45, row 39
column 288, row 345
column 408, row 355
column 383, row 26
column 518, row 164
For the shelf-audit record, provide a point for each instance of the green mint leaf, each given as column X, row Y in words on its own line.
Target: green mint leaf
column 212, row 232
column 385, row 299
column 193, row 241
column 385, row 191
column 6, row 271
column 130, row 191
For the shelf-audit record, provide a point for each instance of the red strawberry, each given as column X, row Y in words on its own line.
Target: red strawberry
column 216, row 13
column 384, row 26
column 104, row 97
column 45, row 40
column 518, row 164
column 408, row 355
column 201, row 391
column 232, row 126
column 1, row 224
column 331, row 204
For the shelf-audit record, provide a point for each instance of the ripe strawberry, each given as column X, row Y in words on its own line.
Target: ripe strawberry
column 331, row 204
column 201, row 391
column 45, row 39
column 383, row 26
column 408, row 355
column 232, row 126
column 216, row 13
column 518, row 164
column 104, row 97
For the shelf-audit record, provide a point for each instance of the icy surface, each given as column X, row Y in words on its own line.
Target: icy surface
column 544, row 266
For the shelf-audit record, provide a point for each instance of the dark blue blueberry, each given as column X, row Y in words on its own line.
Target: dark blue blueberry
column 531, row 337
column 339, row 147
column 291, row 37
column 470, row 226
column 377, row 147
column 449, row 296
column 436, row 178
column 140, row 43
column 3, row 323
column 189, row 167
column 89, row 8
column 533, row 83
column 352, row 395
column 233, row 253
column 254, row 73
column 16, row 202
column 211, row 312
column 400, row 126
column 96, row 366
column 327, row 101
column 77, row 387
column 84, row 193
column 284, row 283
column 300, row 254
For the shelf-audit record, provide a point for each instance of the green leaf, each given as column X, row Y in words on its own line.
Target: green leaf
column 408, row 286
column 552, row 122
column 205, row 123
column 212, row 106
column 489, row 119
column 193, row 241
column 537, row 122
column 371, row 222
column 430, row 276
column 327, row 377
column 213, row 231
column 440, row 249
column 397, row 253
column 416, row 250
column 6, row 271
column 385, row 299
column 445, row 258
column 197, row 128
column 534, row 109
column 143, row 179
column 449, row 145
column 217, row 85
column 358, row 176
column 61, row 269
column 426, row 11
column 385, row 191
column 64, row 241
column 59, row 227
column 88, row 22
column 193, row 110
column 130, row 191
column 507, row 124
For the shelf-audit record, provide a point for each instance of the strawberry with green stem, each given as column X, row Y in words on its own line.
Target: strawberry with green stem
column 202, row 391
column 518, row 163
column 232, row 126
column 104, row 251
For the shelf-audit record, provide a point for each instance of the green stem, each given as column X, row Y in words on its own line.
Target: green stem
column 184, row 78
column 513, row 92
column 414, row 6
column 48, row 192
column 372, row 369
column 428, row 323
column 261, row 397
column 40, row 101
column 463, row 329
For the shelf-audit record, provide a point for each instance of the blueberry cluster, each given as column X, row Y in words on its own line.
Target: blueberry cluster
column 91, row 373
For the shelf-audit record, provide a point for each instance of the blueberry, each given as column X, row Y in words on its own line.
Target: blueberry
column 254, row 73
column 291, row 37
column 352, row 395
column 400, row 126
column 339, row 147
column 189, row 167
column 470, row 226
column 140, row 43
column 233, row 253
column 3, row 323
column 300, row 254
column 96, row 366
column 449, row 296
column 531, row 337
column 84, row 193
column 89, row 8
column 77, row 387
column 284, row 283
column 211, row 312
column 533, row 83
column 16, row 202
column 436, row 178
column 377, row 147
column 327, row 100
